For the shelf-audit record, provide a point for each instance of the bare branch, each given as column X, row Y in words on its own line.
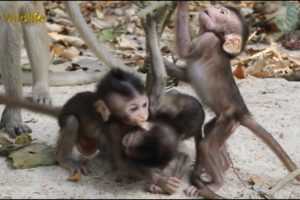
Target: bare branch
column 91, row 41
column 149, row 10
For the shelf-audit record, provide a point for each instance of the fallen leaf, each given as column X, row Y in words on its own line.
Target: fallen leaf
column 111, row 33
column 54, row 27
column 239, row 72
column 262, row 74
column 295, row 60
column 4, row 140
column 62, row 21
column 33, row 155
column 68, row 53
column 126, row 44
column 76, row 41
column 260, row 184
column 23, row 139
column 75, row 177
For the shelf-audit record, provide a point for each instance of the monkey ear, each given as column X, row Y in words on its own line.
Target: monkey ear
column 103, row 109
column 232, row 44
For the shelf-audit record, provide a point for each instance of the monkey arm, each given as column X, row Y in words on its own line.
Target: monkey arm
column 176, row 71
column 159, row 74
column 183, row 38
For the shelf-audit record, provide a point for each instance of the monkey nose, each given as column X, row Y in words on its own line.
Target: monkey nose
column 206, row 11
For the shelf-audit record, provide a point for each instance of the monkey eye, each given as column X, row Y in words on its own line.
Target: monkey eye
column 222, row 11
column 144, row 105
column 133, row 109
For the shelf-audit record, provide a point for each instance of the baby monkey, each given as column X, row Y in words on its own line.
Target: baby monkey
column 224, row 34
column 119, row 99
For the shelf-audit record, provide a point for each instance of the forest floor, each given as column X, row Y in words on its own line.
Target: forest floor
column 273, row 102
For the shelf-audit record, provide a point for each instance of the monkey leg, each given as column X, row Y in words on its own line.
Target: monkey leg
column 211, row 146
column 37, row 46
column 66, row 141
column 10, row 41
column 224, row 157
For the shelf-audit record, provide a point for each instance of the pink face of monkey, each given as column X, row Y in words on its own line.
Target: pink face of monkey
column 133, row 111
column 226, row 24
column 220, row 19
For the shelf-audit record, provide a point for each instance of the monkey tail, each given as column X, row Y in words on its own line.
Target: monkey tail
column 267, row 138
column 35, row 107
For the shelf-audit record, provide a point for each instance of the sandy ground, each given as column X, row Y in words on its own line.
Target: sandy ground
column 273, row 102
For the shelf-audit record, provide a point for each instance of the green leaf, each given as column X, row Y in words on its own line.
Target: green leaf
column 289, row 17
column 111, row 33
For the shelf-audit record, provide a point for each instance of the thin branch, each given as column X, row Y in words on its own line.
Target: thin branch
column 280, row 184
column 149, row 10
column 91, row 41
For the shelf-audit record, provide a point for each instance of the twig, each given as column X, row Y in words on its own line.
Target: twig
column 148, row 10
column 281, row 183
column 236, row 173
column 252, row 35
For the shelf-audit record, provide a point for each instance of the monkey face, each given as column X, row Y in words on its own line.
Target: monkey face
column 129, row 110
column 137, row 110
column 225, row 24
column 219, row 19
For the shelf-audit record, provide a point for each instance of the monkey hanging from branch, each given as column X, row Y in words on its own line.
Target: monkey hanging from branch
column 223, row 35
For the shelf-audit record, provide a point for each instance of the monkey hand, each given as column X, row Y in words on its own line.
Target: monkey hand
column 169, row 185
column 155, row 189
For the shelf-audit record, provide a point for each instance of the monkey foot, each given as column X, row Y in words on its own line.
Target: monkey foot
column 41, row 99
column 14, row 127
column 40, row 93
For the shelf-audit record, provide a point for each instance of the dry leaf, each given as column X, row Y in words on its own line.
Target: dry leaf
column 23, row 139
column 239, row 72
column 126, row 44
column 75, row 177
column 57, row 49
column 54, row 27
column 68, row 53
column 4, row 140
column 71, row 52
column 262, row 74
column 76, row 41
column 62, row 21
column 295, row 60
column 259, row 181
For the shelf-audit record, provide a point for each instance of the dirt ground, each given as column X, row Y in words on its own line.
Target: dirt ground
column 275, row 103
